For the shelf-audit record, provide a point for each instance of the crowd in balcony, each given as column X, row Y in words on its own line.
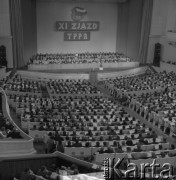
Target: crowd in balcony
column 79, row 58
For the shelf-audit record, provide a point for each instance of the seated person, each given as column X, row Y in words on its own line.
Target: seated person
column 138, row 149
column 142, row 141
column 129, row 142
column 60, row 147
column 27, row 174
column 44, row 172
column 14, row 134
column 119, row 149
column 77, row 144
column 109, row 150
column 3, row 133
column 101, row 150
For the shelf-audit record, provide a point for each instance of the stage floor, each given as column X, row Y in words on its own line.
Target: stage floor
column 84, row 67
column 80, row 74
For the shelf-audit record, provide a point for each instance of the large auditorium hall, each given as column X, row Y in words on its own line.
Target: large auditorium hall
column 87, row 89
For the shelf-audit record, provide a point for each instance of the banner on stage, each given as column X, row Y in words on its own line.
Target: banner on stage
column 77, row 36
column 77, row 26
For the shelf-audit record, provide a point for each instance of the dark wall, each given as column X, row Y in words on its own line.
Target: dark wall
column 28, row 8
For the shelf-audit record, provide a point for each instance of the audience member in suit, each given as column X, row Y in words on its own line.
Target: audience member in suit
column 44, row 172
column 119, row 150
column 138, row 149
column 129, row 142
column 50, row 145
column 101, row 150
column 109, row 150
column 69, row 144
column 14, row 134
column 142, row 141
column 27, row 174
column 97, row 144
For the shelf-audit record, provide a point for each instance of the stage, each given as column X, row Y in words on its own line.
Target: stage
column 120, row 65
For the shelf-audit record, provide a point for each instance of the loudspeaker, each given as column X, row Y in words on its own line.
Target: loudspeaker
column 157, row 55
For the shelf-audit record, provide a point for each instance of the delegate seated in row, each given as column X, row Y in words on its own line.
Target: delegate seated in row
column 142, row 82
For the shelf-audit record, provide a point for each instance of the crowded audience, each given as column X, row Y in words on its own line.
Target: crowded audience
column 23, row 85
column 52, row 172
column 85, row 122
column 71, row 87
column 152, row 81
column 91, row 121
column 162, row 103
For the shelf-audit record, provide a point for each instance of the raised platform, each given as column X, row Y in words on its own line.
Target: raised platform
column 120, row 65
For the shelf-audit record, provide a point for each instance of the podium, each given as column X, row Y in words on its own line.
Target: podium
column 101, row 66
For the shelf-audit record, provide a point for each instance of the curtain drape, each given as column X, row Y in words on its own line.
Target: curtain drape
column 17, row 32
column 145, row 30
column 129, row 27
column 122, row 27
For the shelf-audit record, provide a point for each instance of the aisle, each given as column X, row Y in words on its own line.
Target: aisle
column 137, row 116
column 93, row 77
column 148, row 124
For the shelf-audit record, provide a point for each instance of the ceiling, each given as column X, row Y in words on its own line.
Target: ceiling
column 92, row 1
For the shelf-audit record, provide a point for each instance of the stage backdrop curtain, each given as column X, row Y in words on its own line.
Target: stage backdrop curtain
column 17, row 32
column 145, row 30
column 122, row 27
column 129, row 27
